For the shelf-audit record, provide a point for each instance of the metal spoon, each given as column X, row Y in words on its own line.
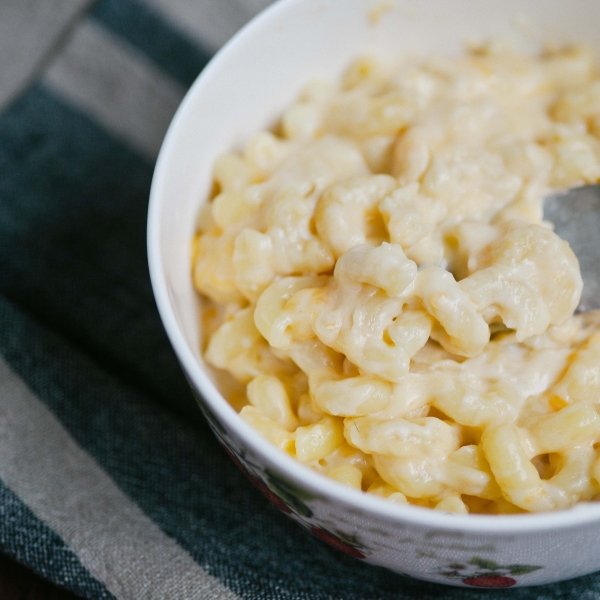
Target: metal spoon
column 576, row 216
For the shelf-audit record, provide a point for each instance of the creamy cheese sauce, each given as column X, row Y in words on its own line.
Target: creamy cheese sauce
column 382, row 292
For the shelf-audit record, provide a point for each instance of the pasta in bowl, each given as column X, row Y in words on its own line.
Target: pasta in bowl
column 379, row 276
column 382, row 299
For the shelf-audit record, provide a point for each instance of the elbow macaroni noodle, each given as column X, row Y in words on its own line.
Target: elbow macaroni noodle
column 378, row 278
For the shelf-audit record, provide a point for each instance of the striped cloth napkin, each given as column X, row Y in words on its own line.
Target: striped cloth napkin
column 111, row 485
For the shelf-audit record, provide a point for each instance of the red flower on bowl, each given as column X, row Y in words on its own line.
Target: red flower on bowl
column 336, row 542
column 490, row 581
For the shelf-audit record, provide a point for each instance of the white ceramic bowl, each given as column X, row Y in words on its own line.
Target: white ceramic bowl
column 245, row 87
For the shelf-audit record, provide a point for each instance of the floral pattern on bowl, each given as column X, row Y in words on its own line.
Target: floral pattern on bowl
column 485, row 573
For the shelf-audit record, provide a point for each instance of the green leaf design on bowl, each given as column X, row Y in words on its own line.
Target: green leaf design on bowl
column 522, row 569
column 484, row 563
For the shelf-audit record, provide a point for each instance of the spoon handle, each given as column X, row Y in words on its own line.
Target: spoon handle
column 576, row 216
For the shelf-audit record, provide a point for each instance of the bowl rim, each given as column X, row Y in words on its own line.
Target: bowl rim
column 581, row 514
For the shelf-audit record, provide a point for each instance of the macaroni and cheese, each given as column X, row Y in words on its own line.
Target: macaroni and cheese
column 382, row 289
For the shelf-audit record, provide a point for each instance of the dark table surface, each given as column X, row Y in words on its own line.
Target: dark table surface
column 18, row 583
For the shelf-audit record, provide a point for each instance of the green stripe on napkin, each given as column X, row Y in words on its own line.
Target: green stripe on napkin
column 72, row 242
column 142, row 27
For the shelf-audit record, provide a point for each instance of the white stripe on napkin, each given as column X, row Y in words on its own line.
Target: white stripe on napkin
column 66, row 489
column 29, row 31
column 109, row 80
column 208, row 22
